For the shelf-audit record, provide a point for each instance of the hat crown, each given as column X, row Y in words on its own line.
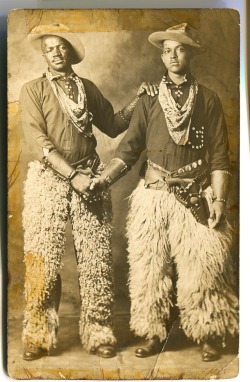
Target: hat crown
column 181, row 27
column 60, row 30
column 182, row 33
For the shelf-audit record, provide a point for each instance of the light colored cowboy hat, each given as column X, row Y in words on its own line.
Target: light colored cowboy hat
column 36, row 34
column 181, row 33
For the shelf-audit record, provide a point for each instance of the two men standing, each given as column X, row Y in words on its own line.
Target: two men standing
column 178, row 238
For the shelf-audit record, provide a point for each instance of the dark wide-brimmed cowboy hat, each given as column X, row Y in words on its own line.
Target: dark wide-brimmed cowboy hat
column 181, row 33
column 36, row 35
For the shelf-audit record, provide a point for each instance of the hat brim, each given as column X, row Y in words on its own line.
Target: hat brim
column 35, row 41
column 157, row 39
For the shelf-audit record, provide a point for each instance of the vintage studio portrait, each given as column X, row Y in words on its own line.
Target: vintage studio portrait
column 123, row 219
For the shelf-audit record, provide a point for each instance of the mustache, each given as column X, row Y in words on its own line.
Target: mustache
column 58, row 58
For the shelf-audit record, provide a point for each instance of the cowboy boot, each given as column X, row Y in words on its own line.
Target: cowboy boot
column 152, row 347
column 209, row 351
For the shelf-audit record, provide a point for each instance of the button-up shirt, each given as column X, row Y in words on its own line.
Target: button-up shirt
column 148, row 132
column 45, row 126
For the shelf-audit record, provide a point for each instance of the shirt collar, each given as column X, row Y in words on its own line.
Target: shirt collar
column 57, row 76
column 171, row 84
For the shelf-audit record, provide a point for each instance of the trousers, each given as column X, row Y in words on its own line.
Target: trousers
column 164, row 235
column 49, row 202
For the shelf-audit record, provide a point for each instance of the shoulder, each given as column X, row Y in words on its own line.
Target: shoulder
column 207, row 93
column 89, row 84
column 34, row 86
column 92, row 91
column 148, row 99
column 35, row 82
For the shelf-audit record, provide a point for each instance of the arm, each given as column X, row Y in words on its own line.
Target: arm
column 145, row 88
column 219, row 162
column 34, row 127
column 110, row 123
column 79, row 180
column 220, row 187
column 129, row 149
column 32, row 119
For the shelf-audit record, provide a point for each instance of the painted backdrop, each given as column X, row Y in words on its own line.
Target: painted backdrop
column 118, row 58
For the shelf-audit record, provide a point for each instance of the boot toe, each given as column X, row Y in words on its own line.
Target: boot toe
column 33, row 353
column 141, row 352
column 106, row 351
column 209, row 352
column 154, row 346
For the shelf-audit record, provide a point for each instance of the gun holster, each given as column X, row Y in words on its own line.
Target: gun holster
column 193, row 197
column 188, row 191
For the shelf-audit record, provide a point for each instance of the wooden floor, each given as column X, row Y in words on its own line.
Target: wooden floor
column 180, row 359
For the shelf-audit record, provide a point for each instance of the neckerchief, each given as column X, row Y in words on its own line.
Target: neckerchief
column 178, row 119
column 77, row 112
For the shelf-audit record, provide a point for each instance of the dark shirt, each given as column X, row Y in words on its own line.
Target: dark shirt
column 46, row 126
column 148, row 131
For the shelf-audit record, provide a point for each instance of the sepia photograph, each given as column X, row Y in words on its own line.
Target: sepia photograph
column 123, row 194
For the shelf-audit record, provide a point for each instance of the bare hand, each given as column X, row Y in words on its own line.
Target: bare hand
column 217, row 214
column 150, row 89
column 81, row 184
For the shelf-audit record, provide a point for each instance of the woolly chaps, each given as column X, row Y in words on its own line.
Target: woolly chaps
column 162, row 232
column 48, row 203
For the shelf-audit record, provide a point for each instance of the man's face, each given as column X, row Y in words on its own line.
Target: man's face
column 176, row 56
column 57, row 52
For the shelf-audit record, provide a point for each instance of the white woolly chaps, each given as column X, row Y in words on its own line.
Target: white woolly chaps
column 161, row 233
column 49, row 202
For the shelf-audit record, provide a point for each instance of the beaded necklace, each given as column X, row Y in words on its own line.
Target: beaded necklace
column 77, row 112
column 178, row 119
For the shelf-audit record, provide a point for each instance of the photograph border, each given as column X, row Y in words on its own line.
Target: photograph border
column 244, row 139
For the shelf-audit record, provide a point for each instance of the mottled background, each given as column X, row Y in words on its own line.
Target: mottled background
column 118, row 58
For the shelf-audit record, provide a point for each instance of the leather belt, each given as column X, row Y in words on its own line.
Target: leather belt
column 91, row 161
column 159, row 178
column 188, row 191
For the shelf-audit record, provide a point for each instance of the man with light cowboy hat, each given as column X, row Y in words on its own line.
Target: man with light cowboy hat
column 179, row 240
column 58, row 111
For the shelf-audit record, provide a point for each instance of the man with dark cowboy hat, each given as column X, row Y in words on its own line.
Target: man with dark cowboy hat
column 176, row 223
column 57, row 113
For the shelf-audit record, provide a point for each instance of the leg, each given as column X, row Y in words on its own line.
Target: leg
column 44, row 219
column 91, row 227
column 206, row 292
column 56, row 291
column 150, row 275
